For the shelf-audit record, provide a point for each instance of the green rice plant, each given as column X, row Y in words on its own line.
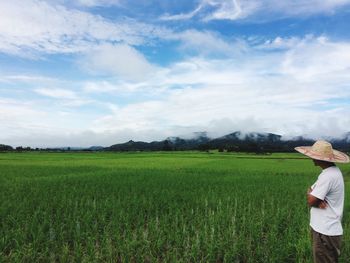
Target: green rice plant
column 157, row 207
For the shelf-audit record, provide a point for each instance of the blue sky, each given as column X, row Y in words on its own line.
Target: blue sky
column 99, row 72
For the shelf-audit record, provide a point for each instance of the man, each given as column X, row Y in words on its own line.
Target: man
column 326, row 199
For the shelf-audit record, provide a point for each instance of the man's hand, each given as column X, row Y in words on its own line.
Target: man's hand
column 308, row 191
column 323, row 204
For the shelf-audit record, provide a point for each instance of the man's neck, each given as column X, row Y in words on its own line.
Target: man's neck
column 325, row 166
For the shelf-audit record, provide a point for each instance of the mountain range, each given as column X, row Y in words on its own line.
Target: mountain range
column 236, row 141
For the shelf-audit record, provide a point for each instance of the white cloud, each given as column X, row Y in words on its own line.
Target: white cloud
column 99, row 87
column 207, row 43
column 122, row 60
column 283, row 43
column 318, row 58
column 92, row 3
column 260, row 9
column 306, row 7
column 186, row 16
column 293, row 89
column 26, row 79
column 18, row 116
column 39, row 124
column 215, row 10
column 231, row 9
column 30, row 26
column 256, row 91
column 63, row 97
column 56, row 93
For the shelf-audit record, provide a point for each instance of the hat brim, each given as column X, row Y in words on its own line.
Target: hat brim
column 338, row 156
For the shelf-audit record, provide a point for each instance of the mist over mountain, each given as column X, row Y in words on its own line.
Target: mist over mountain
column 236, row 141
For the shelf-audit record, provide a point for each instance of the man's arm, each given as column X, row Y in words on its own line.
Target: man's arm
column 314, row 201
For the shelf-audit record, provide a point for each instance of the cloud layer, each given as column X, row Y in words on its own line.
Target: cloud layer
column 33, row 26
column 120, row 88
column 258, row 9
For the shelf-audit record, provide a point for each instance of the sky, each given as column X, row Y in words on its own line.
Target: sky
column 99, row 72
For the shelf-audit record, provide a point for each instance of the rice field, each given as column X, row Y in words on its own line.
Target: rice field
column 157, row 207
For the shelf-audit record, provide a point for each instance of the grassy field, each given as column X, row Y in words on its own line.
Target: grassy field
column 157, row 207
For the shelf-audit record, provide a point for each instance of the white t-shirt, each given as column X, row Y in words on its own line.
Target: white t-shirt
column 329, row 187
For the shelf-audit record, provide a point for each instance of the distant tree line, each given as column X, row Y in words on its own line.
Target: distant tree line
column 8, row 148
column 5, row 148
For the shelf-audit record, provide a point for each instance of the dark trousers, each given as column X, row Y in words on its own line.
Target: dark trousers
column 326, row 249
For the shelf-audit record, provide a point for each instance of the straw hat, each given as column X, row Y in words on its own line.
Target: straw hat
column 322, row 150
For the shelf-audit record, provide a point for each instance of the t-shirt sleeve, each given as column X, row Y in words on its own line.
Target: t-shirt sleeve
column 322, row 187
